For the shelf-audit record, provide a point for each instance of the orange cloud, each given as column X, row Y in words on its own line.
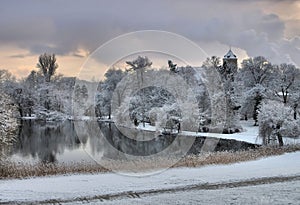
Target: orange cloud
column 19, row 62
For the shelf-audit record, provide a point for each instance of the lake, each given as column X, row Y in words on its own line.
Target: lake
column 70, row 141
column 90, row 141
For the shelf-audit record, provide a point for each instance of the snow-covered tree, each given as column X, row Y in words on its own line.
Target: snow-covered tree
column 195, row 78
column 64, row 89
column 103, row 103
column 227, row 74
column 30, row 92
column 215, row 90
column 105, row 90
column 81, row 93
column 295, row 104
column 8, row 82
column 8, row 121
column 41, row 98
column 139, row 65
column 9, row 108
column 84, row 92
column 257, row 74
column 77, row 92
column 148, row 98
column 166, row 116
column 276, row 121
column 6, row 76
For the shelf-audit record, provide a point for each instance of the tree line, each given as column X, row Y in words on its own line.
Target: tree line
column 250, row 91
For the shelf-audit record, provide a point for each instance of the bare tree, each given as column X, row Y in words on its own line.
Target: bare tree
column 47, row 64
column 287, row 75
column 257, row 70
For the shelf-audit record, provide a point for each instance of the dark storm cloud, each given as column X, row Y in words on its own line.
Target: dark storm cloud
column 63, row 27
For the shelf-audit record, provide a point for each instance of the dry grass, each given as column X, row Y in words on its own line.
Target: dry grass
column 234, row 157
column 20, row 170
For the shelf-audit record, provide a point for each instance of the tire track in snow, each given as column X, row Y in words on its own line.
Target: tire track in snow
column 139, row 194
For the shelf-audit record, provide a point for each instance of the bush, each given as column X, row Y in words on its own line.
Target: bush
column 225, row 131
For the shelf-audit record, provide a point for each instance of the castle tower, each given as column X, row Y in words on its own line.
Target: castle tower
column 228, row 73
column 230, row 64
column 230, row 60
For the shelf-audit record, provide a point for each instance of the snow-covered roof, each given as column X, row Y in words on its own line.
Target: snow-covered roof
column 230, row 55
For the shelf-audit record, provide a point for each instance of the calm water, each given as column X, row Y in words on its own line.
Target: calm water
column 82, row 141
column 89, row 141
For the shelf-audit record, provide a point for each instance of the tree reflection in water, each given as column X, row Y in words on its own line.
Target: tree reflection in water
column 45, row 141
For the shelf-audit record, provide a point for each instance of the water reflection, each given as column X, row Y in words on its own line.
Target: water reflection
column 44, row 141
column 138, row 142
column 61, row 142
column 91, row 141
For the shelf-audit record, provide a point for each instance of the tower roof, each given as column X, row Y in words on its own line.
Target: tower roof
column 230, row 55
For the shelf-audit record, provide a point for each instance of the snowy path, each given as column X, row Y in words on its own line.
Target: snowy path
column 275, row 194
column 66, row 188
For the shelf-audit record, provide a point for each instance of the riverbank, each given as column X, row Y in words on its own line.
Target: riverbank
column 64, row 153
column 9, row 170
column 189, row 183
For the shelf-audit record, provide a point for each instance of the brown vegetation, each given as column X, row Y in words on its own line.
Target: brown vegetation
column 20, row 170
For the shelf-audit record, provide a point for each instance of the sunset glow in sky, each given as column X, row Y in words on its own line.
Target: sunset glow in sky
column 74, row 29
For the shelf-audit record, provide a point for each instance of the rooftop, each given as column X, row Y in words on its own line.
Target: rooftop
column 230, row 55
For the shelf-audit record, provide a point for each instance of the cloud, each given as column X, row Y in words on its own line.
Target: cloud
column 293, row 28
column 64, row 27
column 78, row 55
column 272, row 26
column 291, row 49
column 18, row 56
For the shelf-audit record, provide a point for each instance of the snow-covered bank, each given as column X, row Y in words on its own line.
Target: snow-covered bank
column 73, row 186
column 249, row 134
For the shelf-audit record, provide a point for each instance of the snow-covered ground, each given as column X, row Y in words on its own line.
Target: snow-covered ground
column 68, row 188
column 275, row 194
column 249, row 134
column 171, row 186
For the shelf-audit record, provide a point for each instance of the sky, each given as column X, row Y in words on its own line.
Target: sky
column 75, row 29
